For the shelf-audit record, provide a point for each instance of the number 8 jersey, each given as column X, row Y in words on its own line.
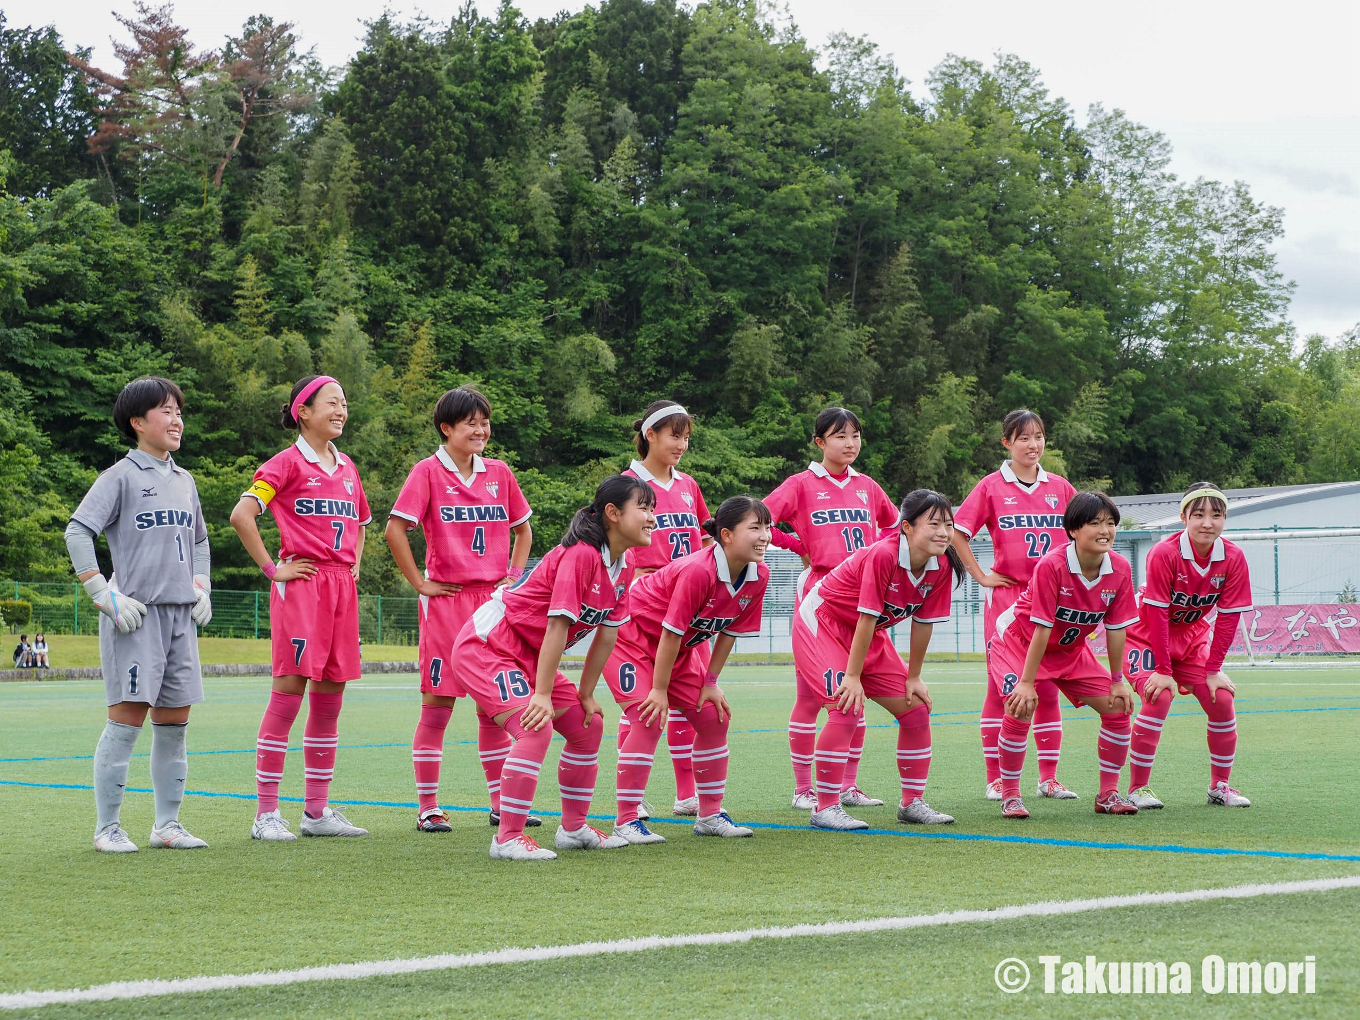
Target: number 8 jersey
column 319, row 512
column 1059, row 596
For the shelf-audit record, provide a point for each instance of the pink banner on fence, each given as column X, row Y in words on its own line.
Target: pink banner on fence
column 1291, row 630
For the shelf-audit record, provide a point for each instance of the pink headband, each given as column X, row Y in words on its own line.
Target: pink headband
column 309, row 390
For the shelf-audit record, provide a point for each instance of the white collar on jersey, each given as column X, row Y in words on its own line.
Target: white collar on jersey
column 147, row 462
column 1008, row 473
column 309, row 455
column 1215, row 554
column 821, row 472
column 478, row 465
column 904, row 561
column 1074, row 565
column 615, row 568
column 751, row 572
column 637, row 469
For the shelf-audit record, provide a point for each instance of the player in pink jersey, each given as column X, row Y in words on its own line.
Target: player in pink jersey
column 834, row 510
column 319, row 505
column 1173, row 646
column 468, row 507
column 507, row 659
column 1021, row 506
column 659, row 666
column 844, row 653
column 662, row 438
column 1043, row 636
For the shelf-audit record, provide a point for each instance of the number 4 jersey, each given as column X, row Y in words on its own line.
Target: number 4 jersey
column 319, row 512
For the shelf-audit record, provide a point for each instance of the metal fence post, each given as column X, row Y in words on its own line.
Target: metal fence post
column 75, row 607
column 379, row 619
column 257, row 614
column 1276, row 543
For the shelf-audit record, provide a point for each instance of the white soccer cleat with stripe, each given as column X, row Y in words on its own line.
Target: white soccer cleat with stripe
column 1055, row 790
column 686, row 807
column 521, row 848
column 272, row 828
column 855, row 797
column 1223, row 795
column 1144, row 799
column 331, row 823
column 835, row 817
column 637, row 833
column 722, row 825
column 173, row 836
column 992, row 791
column 587, row 837
column 918, row 812
column 111, row 839
column 805, row 801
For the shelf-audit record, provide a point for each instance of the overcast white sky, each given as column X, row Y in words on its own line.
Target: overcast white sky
column 1258, row 91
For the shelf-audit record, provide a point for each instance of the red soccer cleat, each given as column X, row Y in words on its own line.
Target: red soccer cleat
column 1013, row 807
column 1114, row 803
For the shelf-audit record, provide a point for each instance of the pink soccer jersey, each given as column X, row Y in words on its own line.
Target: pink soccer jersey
column 1024, row 522
column 680, row 510
column 467, row 522
column 319, row 512
column 697, row 598
column 1176, row 581
column 1060, row 597
column 576, row 582
column 877, row 581
column 833, row 517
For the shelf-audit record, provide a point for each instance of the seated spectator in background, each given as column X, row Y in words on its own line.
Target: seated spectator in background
column 40, row 651
column 22, row 652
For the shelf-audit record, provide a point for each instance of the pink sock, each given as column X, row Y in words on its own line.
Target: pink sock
column 833, row 751
column 710, row 758
column 493, row 747
column 1047, row 730
column 1222, row 733
column 851, row 778
column 803, row 741
column 1112, row 748
column 519, row 778
column 624, row 724
column 427, row 753
column 320, row 738
column 993, row 709
column 272, row 745
column 579, row 764
column 636, row 755
column 680, row 743
column 1147, row 730
column 913, row 752
column 1011, row 743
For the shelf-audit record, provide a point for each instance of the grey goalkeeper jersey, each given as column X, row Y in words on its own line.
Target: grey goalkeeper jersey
column 152, row 521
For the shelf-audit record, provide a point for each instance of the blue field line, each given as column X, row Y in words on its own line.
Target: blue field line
column 967, row 837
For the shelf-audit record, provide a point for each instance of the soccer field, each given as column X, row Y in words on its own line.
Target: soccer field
column 73, row 918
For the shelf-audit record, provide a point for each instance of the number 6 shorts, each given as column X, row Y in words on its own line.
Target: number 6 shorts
column 314, row 625
column 157, row 664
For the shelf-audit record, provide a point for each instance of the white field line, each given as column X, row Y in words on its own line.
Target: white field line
column 450, row 961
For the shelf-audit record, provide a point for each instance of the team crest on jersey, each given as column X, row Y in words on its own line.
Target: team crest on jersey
column 493, row 488
column 863, row 496
column 689, row 500
column 1052, row 500
column 349, row 486
column 1107, row 597
column 1218, row 579
column 619, row 589
column 924, row 589
column 743, row 602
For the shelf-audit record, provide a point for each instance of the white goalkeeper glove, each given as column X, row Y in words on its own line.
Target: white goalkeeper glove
column 125, row 611
column 202, row 611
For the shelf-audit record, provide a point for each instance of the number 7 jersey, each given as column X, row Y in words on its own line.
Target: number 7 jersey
column 319, row 512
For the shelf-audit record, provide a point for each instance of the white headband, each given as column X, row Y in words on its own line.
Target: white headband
column 664, row 412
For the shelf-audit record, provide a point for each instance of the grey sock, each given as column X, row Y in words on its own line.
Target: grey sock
column 111, row 757
column 169, row 769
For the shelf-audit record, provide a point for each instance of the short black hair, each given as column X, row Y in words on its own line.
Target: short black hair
column 140, row 396
column 832, row 420
column 1084, row 508
column 1019, row 420
column 459, row 405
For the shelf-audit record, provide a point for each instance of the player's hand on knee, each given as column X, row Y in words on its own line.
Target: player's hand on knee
column 590, row 707
column 1219, row 682
column 1121, row 698
column 1022, row 701
column 538, row 713
column 918, row 694
column 1155, row 684
column 202, row 611
column 655, row 708
column 715, row 695
column 850, row 696
column 125, row 611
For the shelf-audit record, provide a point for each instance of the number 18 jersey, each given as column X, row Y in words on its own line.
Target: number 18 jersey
column 834, row 517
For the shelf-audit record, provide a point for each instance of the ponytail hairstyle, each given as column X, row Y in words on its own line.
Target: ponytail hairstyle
column 588, row 525
column 1205, row 502
column 832, row 420
column 311, row 385
column 678, row 424
column 919, row 503
column 459, row 405
column 1019, row 420
column 733, row 511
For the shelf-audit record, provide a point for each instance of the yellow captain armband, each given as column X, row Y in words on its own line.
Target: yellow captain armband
column 262, row 491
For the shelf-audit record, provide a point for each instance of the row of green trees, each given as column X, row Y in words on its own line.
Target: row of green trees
column 584, row 213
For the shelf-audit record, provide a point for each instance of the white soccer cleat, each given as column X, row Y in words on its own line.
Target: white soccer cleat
column 1055, row 790
column 331, row 823
column 111, row 839
column 686, row 808
column 835, row 817
column 1223, row 795
column 521, row 848
column 644, row 810
column 722, row 825
column 637, row 833
column 272, row 828
column 805, row 801
column 855, row 797
column 992, row 791
column 173, row 836
column 1144, row 799
column 587, row 837
column 919, row 812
